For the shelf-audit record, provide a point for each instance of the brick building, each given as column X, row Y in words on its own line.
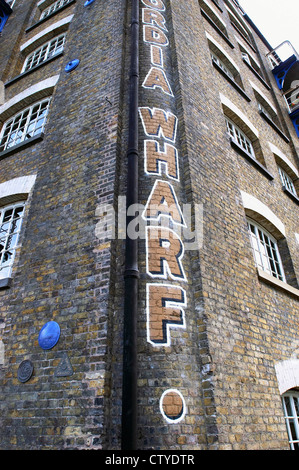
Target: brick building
column 214, row 289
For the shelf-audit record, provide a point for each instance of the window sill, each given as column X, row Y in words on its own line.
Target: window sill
column 251, row 160
column 290, row 194
column 244, row 37
column 257, row 74
column 5, row 283
column 274, row 126
column 21, row 146
column 268, row 279
column 24, row 74
column 35, row 25
column 221, row 33
column 232, row 82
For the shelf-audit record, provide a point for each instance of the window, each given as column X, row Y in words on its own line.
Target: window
column 265, row 250
column 290, row 402
column 46, row 51
column 239, row 137
column 226, row 66
column 213, row 17
column 222, row 66
column 240, row 26
column 243, row 136
column 268, row 112
column 249, row 60
column 24, row 125
column 287, row 181
column 53, row 7
column 10, row 225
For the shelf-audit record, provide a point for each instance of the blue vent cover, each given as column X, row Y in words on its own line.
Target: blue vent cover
column 72, row 65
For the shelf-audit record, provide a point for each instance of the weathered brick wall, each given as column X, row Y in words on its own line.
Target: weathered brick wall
column 64, row 271
column 250, row 325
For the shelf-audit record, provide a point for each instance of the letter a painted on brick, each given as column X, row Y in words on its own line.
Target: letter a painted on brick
column 156, row 78
column 163, row 202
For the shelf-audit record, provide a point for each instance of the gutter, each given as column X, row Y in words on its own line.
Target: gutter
column 131, row 274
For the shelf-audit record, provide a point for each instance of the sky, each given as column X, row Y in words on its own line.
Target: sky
column 277, row 20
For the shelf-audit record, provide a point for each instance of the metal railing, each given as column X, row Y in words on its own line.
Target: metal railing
column 281, row 53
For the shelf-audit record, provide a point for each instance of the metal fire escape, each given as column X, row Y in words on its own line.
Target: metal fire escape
column 284, row 62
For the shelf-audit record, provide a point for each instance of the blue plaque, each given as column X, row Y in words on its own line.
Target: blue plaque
column 49, row 335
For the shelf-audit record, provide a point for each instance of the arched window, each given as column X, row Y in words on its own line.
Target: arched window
column 28, row 123
column 13, row 199
column 11, row 217
column 269, row 244
column 290, row 402
column 53, row 7
column 24, row 116
column 44, row 52
column 244, row 137
column 265, row 250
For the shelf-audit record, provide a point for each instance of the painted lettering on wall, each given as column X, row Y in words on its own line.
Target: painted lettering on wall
column 166, row 299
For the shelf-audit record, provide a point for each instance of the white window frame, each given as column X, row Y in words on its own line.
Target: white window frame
column 291, row 414
column 253, row 63
column 9, row 234
column 223, row 67
column 53, row 7
column 264, row 110
column 239, row 137
column 287, row 181
column 25, row 124
column 44, row 52
column 265, row 250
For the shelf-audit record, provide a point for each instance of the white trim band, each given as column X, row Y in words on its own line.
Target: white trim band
column 252, row 203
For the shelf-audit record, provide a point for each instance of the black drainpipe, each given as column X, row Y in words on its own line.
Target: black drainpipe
column 131, row 276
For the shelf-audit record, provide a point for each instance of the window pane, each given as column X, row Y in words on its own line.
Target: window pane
column 239, row 136
column 10, row 226
column 265, row 251
column 24, row 125
column 291, row 409
column 44, row 52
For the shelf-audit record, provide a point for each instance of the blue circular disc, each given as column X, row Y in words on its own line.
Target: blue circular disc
column 49, row 335
column 71, row 65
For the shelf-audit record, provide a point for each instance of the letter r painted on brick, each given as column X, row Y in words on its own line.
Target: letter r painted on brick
column 165, row 304
column 165, row 251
